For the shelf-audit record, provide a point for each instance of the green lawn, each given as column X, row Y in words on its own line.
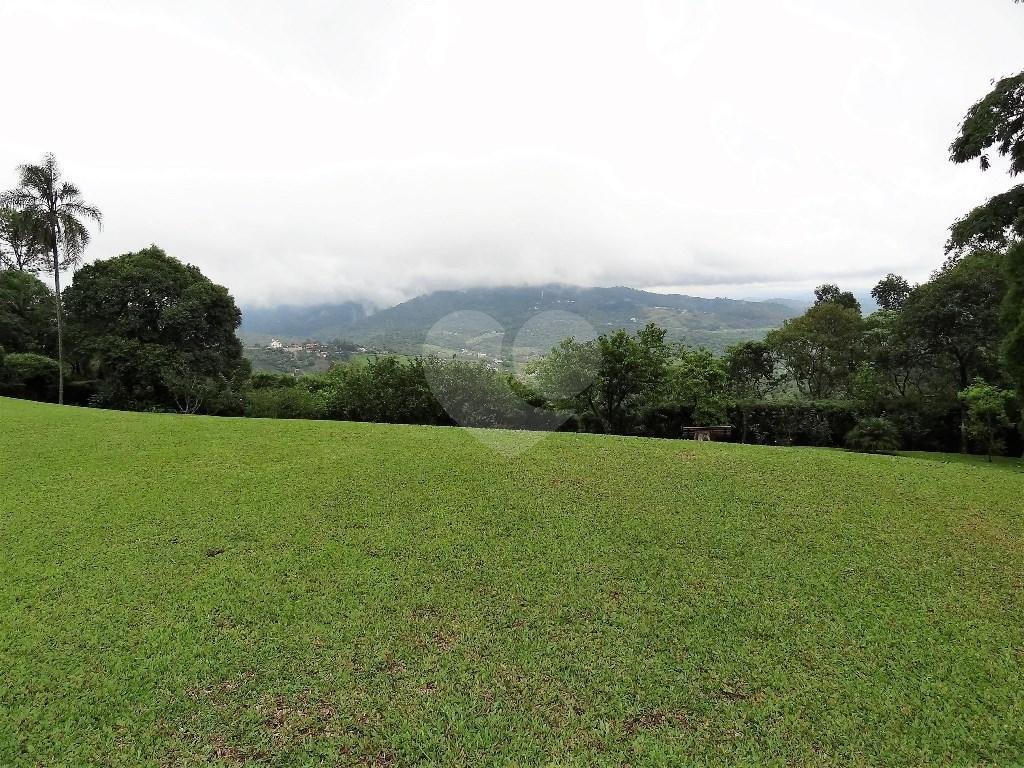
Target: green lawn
column 1001, row 462
column 186, row 590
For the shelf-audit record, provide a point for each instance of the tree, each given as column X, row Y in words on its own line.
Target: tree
column 630, row 374
column 699, row 381
column 896, row 353
column 1013, row 316
column 891, row 292
column 56, row 210
column 611, row 379
column 830, row 292
column 21, row 242
column 566, row 376
column 986, row 413
column 34, row 375
column 750, row 371
column 820, row 349
column 873, row 435
column 156, row 333
column 26, row 320
column 955, row 317
column 997, row 122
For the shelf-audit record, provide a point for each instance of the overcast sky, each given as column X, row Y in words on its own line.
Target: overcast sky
column 329, row 149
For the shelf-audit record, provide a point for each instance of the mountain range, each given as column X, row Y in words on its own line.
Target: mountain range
column 547, row 313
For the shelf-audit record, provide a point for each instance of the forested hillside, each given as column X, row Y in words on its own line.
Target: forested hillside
column 713, row 323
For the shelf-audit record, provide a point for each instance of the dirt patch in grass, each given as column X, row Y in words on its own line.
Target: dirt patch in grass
column 653, row 719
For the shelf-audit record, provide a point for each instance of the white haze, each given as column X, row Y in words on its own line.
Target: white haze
column 322, row 150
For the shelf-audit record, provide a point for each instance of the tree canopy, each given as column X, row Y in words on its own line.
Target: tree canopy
column 156, row 332
column 996, row 123
column 891, row 292
column 956, row 316
column 610, row 380
column 26, row 313
column 820, row 348
column 829, row 292
column 54, row 215
column 21, row 241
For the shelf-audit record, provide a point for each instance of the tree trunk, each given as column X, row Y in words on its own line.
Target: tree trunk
column 964, row 383
column 60, row 325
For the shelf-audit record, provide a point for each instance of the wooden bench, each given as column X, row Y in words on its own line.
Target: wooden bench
column 721, row 432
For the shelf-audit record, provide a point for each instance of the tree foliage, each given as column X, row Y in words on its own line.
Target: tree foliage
column 996, row 123
column 699, row 382
column 750, row 369
column 956, row 317
column 55, row 213
column 891, row 292
column 896, row 352
column 987, row 414
column 612, row 380
column 994, row 224
column 22, row 243
column 1013, row 316
column 830, row 292
column 873, row 435
column 34, row 375
column 26, row 314
column 820, row 349
column 156, row 333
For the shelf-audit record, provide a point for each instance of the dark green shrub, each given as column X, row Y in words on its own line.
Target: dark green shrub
column 873, row 435
column 931, row 424
column 283, row 403
column 385, row 390
column 26, row 374
column 267, row 380
column 28, row 366
column 82, row 393
column 795, row 422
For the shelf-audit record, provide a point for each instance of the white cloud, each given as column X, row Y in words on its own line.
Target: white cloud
column 318, row 150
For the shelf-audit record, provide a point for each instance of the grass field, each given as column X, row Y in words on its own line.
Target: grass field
column 187, row 590
column 1001, row 462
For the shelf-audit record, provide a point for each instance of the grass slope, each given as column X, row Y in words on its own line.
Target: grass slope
column 1001, row 462
column 184, row 590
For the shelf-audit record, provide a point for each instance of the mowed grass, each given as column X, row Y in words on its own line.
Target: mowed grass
column 1001, row 462
column 185, row 590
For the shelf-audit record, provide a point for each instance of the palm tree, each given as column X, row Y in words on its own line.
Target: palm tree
column 57, row 208
column 22, row 246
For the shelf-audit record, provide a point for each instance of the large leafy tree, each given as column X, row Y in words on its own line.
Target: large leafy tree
column 1013, row 316
column 891, row 292
column 751, row 375
column 820, row 349
column 895, row 353
column 996, row 124
column 987, row 414
column 630, row 375
column 21, row 241
column 26, row 315
column 830, row 292
column 611, row 380
column 699, row 382
column 955, row 319
column 156, row 333
column 750, row 366
column 58, row 214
